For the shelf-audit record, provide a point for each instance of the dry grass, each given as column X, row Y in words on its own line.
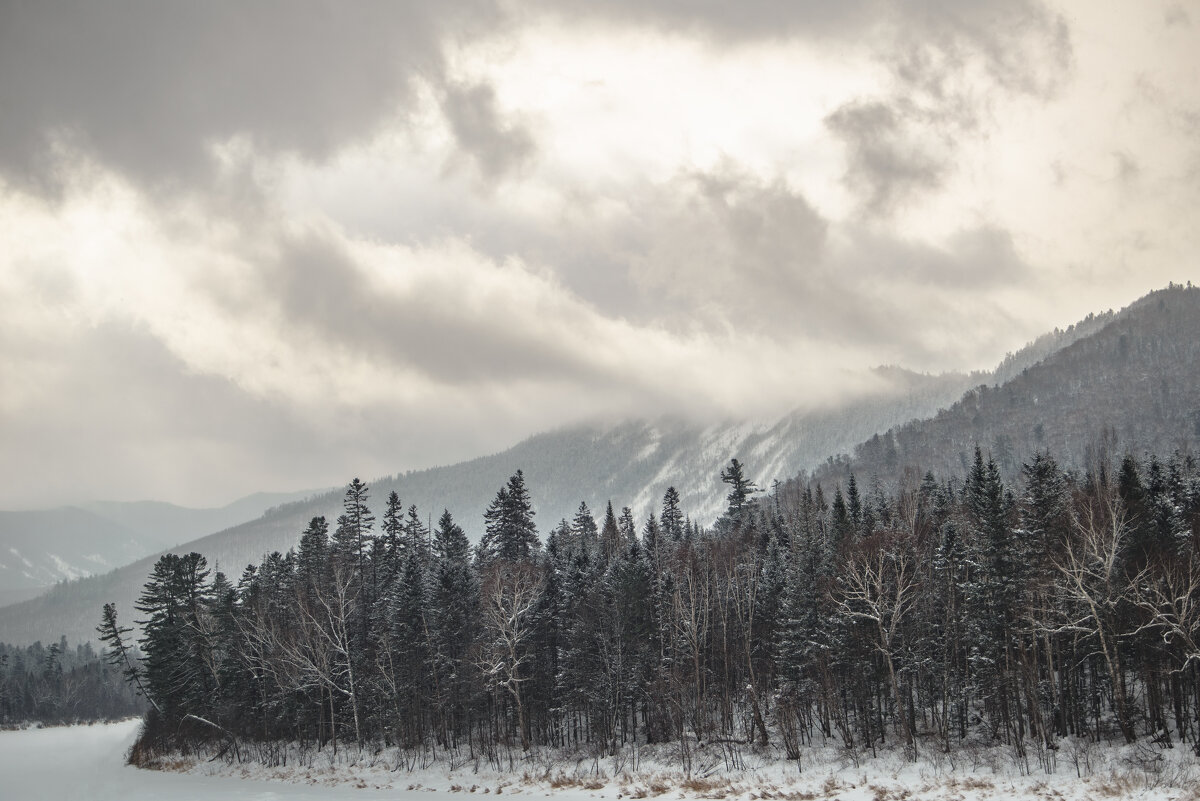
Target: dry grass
column 1115, row 785
column 708, row 788
column 560, row 780
column 975, row 783
column 651, row 788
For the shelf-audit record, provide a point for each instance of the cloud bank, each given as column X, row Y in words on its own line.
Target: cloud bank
column 272, row 245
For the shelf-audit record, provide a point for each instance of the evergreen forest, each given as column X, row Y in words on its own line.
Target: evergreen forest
column 59, row 684
column 944, row 612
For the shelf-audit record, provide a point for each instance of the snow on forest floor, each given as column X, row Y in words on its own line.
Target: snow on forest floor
column 736, row 773
column 87, row 762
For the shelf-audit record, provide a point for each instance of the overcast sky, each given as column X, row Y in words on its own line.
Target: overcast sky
column 274, row 245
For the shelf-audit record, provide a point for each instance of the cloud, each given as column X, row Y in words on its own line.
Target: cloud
column 725, row 251
column 948, row 62
column 301, row 345
column 380, row 237
column 149, row 87
column 1128, row 168
column 745, row 21
column 723, row 245
column 1176, row 15
column 888, row 163
column 496, row 146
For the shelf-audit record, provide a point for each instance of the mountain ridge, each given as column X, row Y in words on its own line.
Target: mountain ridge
column 630, row 463
column 1129, row 386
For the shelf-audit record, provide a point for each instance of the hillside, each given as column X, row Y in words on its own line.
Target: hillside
column 1130, row 386
column 166, row 525
column 40, row 548
column 632, row 463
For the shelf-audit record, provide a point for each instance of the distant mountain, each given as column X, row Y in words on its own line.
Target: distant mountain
column 1131, row 384
column 165, row 524
column 632, row 463
column 41, row 548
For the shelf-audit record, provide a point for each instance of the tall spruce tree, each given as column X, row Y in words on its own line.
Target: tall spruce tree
column 509, row 529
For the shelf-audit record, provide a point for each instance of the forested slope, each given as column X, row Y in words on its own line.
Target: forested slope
column 630, row 463
column 1133, row 385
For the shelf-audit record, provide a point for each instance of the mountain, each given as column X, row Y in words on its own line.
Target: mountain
column 39, row 548
column 632, row 463
column 1131, row 385
column 43, row 547
column 165, row 524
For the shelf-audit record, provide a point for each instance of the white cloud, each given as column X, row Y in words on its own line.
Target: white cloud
column 522, row 223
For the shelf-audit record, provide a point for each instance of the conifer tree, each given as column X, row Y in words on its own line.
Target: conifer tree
column 510, row 531
column 610, row 535
column 672, row 515
column 740, row 489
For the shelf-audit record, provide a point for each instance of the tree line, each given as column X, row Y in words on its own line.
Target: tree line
column 945, row 611
column 59, row 684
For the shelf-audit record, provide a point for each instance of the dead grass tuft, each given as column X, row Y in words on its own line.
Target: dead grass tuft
column 561, row 780
column 1116, row 785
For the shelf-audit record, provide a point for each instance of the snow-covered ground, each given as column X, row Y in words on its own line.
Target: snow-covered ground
column 87, row 762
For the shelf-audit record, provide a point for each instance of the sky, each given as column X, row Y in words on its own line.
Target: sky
column 274, row 245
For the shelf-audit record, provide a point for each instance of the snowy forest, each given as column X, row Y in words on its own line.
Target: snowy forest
column 951, row 610
column 58, row 684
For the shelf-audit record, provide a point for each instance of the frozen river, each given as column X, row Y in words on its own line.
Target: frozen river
column 88, row 762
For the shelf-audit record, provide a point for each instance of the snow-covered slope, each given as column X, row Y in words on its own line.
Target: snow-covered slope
column 43, row 547
column 40, row 548
column 630, row 463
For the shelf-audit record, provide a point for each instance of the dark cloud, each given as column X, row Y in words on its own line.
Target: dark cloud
column 113, row 402
column 1128, row 168
column 724, row 247
column 729, row 251
column 1022, row 46
column 115, row 414
column 1176, row 15
column 888, row 164
column 724, row 21
column 450, row 333
column 147, row 86
column 496, row 146
column 972, row 260
column 904, row 143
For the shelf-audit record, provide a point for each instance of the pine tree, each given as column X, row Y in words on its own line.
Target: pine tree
column 174, row 600
column 510, row 531
column 389, row 551
column 455, row 613
column 416, row 534
column 312, row 559
column 352, row 540
column 627, row 526
column 584, row 531
column 672, row 516
column 740, row 489
column 610, row 535
column 120, row 652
